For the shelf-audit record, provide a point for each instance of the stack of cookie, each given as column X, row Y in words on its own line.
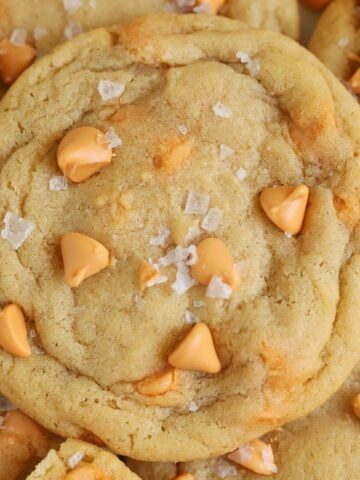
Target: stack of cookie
column 180, row 243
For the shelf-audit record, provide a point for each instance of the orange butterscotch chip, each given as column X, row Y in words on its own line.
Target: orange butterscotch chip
column 184, row 476
column 82, row 153
column 157, row 384
column 13, row 333
column 214, row 5
column 286, row 206
column 172, row 155
column 87, row 472
column 354, row 82
column 257, row 456
column 147, row 273
column 83, row 257
column 215, row 260
column 196, row 351
column 356, row 405
column 14, row 59
column 315, row 4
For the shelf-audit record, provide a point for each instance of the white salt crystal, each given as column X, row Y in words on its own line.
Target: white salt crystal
column 157, row 281
column 190, row 318
column 197, row 203
column 225, row 152
column 72, row 30
column 58, row 183
column 18, row 36
column 343, row 42
column 93, row 3
column 162, row 239
column 72, row 5
column 75, row 459
column 109, row 90
column 186, row 255
column 204, row 8
column 241, row 174
column 288, row 235
column 182, row 129
column 268, row 459
column 184, row 281
column 193, row 407
column 243, row 57
column 112, row 138
column 222, row 110
column 16, row 229
column 193, row 234
column 212, row 220
column 251, row 65
column 218, row 289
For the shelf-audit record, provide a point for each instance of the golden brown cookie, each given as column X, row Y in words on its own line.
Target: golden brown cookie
column 29, row 28
column 325, row 444
column 77, row 460
column 180, row 310
column 22, row 442
column 336, row 40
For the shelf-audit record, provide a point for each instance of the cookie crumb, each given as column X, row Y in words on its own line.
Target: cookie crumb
column 198, row 304
column 75, row 459
column 109, row 90
column 16, row 229
column 197, row 203
column 212, row 220
column 58, row 184
column 72, row 30
column 222, row 110
column 6, row 405
column 93, row 3
column 218, row 289
column 139, row 301
column 225, row 152
column 18, row 36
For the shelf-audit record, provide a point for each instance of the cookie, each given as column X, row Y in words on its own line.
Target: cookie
column 22, row 442
column 79, row 460
column 205, row 278
column 325, row 444
column 336, row 40
column 34, row 28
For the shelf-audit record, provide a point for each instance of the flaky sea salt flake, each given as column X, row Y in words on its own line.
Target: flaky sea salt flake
column 205, row 8
column 16, row 229
column 109, row 89
column 197, row 203
column 112, row 138
column 75, row 459
column 192, row 235
column 183, row 129
column 243, row 57
column 218, row 289
column 268, row 459
column 162, row 238
column 58, row 184
column 224, row 469
column 212, row 220
column 72, row 30
column 288, row 235
column 253, row 67
column 241, row 174
column 193, row 407
column 222, row 110
column 72, row 5
column 190, row 318
column 19, row 36
column 157, row 281
column 225, row 152
column 343, row 42
column 184, row 281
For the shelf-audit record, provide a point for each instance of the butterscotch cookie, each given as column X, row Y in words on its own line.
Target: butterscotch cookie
column 179, row 199
column 324, row 444
column 33, row 28
column 22, row 442
column 77, row 460
column 336, row 41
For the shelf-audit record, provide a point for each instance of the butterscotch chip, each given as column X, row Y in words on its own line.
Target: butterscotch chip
column 298, row 297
